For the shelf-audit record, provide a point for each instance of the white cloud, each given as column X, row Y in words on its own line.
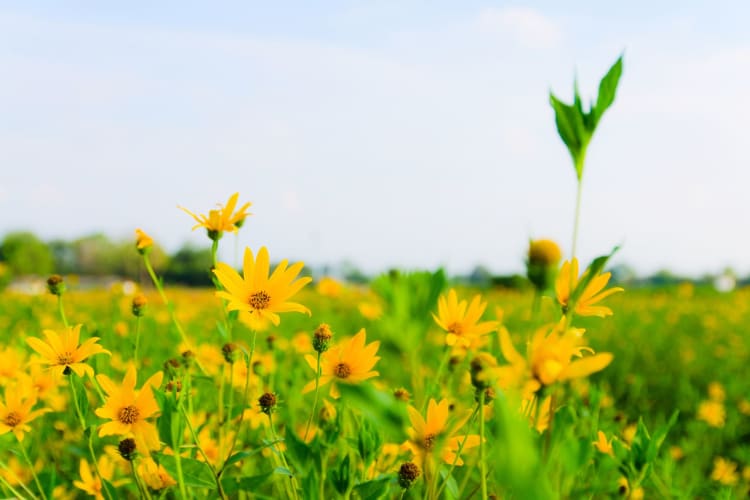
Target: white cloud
column 526, row 26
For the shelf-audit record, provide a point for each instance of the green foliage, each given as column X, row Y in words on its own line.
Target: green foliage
column 190, row 266
column 24, row 253
column 575, row 125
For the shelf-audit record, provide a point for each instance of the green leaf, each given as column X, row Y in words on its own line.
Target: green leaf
column 372, row 490
column 81, row 395
column 299, row 452
column 607, row 90
column 196, row 474
column 451, row 487
column 251, row 483
column 241, row 455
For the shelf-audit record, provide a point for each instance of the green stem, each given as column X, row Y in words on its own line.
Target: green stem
column 170, row 307
column 230, row 408
column 436, row 381
column 275, row 438
column 143, row 492
column 12, row 490
column 18, row 479
column 458, row 454
column 222, row 384
column 315, row 401
column 203, row 453
column 482, row 461
column 31, row 467
column 323, row 473
column 62, row 311
column 214, row 250
column 137, row 340
column 246, row 396
column 579, row 188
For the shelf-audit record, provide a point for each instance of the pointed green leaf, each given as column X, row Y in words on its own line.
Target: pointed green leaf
column 607, row 90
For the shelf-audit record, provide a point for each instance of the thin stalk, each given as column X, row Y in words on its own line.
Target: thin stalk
column 275, row 438
column 137, row 340
column 482, row 460
column 12, row 490
column 142, row 491
column 214, row 250
column 15, row 476
column 579, row 188
column 458, row 454
column 31, row 467
column 246, row 395
column 436, row 381
column 323, row 474
column 222, row 384
column 62, row 311
column 203, row 453
column 315, row 401
column 230, row 409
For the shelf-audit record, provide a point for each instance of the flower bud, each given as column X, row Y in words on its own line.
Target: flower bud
column 267, row 402
column 229, row 350
column 541, row 266
column 139, row 305
column 322, row 338
column 127, row 449
column 55, row 284
column 407, row 474
column 143, row 242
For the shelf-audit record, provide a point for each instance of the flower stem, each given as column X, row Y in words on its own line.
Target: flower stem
column 482, row 460
column 17, row 479
column 31, row 467
column 579, row 188
column 143, row 491
column 170, row 307
column 458, row 454
column 203, row 453
column 62, row 311
column 436, row 381
column 315, row 401
column 275, row 438
column 137, row 340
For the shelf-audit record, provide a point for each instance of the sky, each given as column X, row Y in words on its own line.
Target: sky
column 383, row 133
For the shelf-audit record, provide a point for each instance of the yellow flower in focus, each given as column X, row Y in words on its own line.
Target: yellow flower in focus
column 425, row 434
column 258, row 293
column 567, row 280
column 142, row 240
column 725, row 471
column 603, row 445
column 155, row 476
column 351, row 362
column 223, row 219
column 712, row 412
column 128, row 410
column 461, row 320
column 16, row 412
column 62, row 352
column 329, row 287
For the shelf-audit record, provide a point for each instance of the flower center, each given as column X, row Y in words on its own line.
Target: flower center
column 428, row 442
column 456, row 329
column 259, row 300
column 64, row 358
column 128, row 415
column 342, row 370
column 12, row 419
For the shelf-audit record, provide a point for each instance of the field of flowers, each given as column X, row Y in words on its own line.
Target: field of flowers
column 271, row 385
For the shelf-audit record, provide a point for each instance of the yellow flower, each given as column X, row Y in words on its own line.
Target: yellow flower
column 16, row 412
column 91, row 483
column 725, row 471
column 603, row 445
column 370, row 310
column 567, row 280
column 11, row 361
column 713, row 413
column 350, row 362
column 716, row 392
column 223, row 219
column 128, row 410
column 155, row 476
column 257, row 292
column 62, row 352
column 142, row 240
column 551, row 357
column 329, row 287
column 624, row 490
column 425, row 434
column 461, row 320
column 544, row 252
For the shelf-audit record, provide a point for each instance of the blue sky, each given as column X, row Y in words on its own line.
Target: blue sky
column 414, row 134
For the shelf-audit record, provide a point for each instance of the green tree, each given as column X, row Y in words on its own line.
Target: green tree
column 24, row 253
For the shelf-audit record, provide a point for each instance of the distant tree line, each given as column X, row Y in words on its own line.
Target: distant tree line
column 23, row 253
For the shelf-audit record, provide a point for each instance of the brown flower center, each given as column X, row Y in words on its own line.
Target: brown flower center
column 456, row 329
column 342, row 370
column 12, row 419
column 65, row 358
column 259, row 300
column 128, row 415
column 428, row 442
